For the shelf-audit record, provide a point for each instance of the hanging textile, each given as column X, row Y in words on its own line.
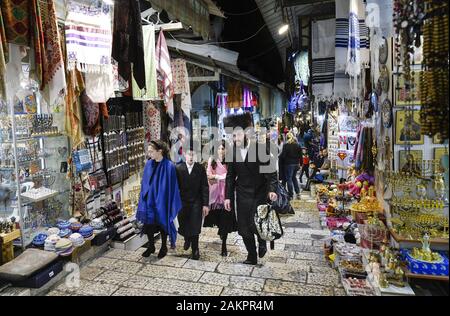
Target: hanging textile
column 181, row 84
column 235, row 97
column 47, row 47
column 351, row 47
column 120, row 84
column 152, row 122
column 100, row 86
column 73, row 120
column 150, row 91
column 88, row 37
column 323, row 38
column 164, row 69
column 128, row 42
column 301, row 65
column 16, row 21
column 3, row 58
column 379, row 15
column 247, row 97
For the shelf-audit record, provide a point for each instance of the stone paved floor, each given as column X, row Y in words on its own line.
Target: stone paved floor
column 296, row 267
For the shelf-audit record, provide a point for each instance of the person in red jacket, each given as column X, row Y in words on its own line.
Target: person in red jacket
column 305, row 164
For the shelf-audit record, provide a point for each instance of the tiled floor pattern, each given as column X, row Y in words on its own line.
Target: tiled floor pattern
column 295, row 267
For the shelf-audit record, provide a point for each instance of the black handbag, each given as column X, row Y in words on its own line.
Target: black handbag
column 282, row 204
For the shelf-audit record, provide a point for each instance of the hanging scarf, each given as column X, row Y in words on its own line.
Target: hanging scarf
column 323, row 36
column 16, row 21
column 73, row 118
column 3, row 58
column 152, row 122
column 47, row 47
column 160, row 200
column 89, row 37
column 235, row 97
column 181, row 85
column 165, row 72
column 150, row 91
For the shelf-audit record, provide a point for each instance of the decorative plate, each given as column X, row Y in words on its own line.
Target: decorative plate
column 386, row 111
column 384, row 79
column 383, row 52
column 374, row 101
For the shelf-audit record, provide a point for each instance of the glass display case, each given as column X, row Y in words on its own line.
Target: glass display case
column 34, row 189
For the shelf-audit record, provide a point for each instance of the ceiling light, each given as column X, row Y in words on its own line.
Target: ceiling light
column 283, row 29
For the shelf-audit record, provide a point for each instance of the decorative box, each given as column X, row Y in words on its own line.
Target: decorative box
column 334, row 222
column 42, row 277
column 427, row 268
column 104, row 236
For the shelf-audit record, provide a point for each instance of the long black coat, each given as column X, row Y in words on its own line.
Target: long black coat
column 251, row 188
column 194, row 192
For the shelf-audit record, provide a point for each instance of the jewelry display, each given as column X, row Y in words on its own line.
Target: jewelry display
column 135, row 141
column 434, row 115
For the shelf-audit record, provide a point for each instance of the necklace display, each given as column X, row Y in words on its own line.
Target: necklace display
column 434, row 114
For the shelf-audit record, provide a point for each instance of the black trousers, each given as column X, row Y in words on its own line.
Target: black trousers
column 194, row 241
column 250, row 245
column 304, row 170
column 151, row 230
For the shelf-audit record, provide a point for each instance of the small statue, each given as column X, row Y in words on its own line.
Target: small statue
column 426, row 243
column 382, row 281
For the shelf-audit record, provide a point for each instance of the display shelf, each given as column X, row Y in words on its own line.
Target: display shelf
column 45, row 197
column 411, row 275
column 404, row 243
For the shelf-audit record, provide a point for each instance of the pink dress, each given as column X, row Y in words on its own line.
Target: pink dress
column 217, row 188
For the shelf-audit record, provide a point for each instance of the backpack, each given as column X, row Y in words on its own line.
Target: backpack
column 282, row 204
column 268, row 223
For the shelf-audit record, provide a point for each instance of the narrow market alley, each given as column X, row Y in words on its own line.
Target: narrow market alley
column 296, row 267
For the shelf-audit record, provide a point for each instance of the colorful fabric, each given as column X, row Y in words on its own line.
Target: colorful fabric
column 120, row 84
column 152, row 122
column 3, row 58
column 181, row 85
column 16, row 21
column 235, row 97
column 164, row 69
column 89, row 37
column 150, row 91
column 47, row 46
column 73, row 118
column 323, row 38
column 301, row 65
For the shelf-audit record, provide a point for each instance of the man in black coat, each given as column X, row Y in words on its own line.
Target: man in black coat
column 250, row 183
column 194, row 190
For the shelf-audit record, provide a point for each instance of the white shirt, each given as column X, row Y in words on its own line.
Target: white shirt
column 190, row 167
column 244, row 152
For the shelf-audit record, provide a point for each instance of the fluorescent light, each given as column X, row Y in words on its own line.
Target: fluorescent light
column 283, row 29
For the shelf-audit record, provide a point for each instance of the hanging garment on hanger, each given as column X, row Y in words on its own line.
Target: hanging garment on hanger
column 49, row 62
column 323, row 36
column 235, row 96
column 128, row 43
column 164, row 69
column 89, row 37
column 100, row 86
column 181, row 85
column 150, row 91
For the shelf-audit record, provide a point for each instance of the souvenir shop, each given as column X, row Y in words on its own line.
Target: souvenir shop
column 84, row 88
column 379, row 92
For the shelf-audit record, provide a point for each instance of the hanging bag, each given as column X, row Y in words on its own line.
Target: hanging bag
column 282, row 204
column 268, row 223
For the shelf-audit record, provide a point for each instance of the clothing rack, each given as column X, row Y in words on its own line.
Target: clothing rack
column 159, row 26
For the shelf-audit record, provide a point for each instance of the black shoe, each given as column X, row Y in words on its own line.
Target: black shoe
column 252, row 262
column 151, row 249
column 195, row 254
column 187, row 244
column 162, row 252
column 262, row 250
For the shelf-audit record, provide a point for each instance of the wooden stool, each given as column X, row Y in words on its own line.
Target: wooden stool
column 6, row 243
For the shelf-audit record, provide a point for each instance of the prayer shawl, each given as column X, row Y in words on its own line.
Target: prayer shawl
column 181, row 85
column 47, row 46
column 217, row 188
column 323, row 36
column 88, row 37
column 150, row 91
column 160, row 200
column 128, row 43
column 351, row 47
column 165, row 72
